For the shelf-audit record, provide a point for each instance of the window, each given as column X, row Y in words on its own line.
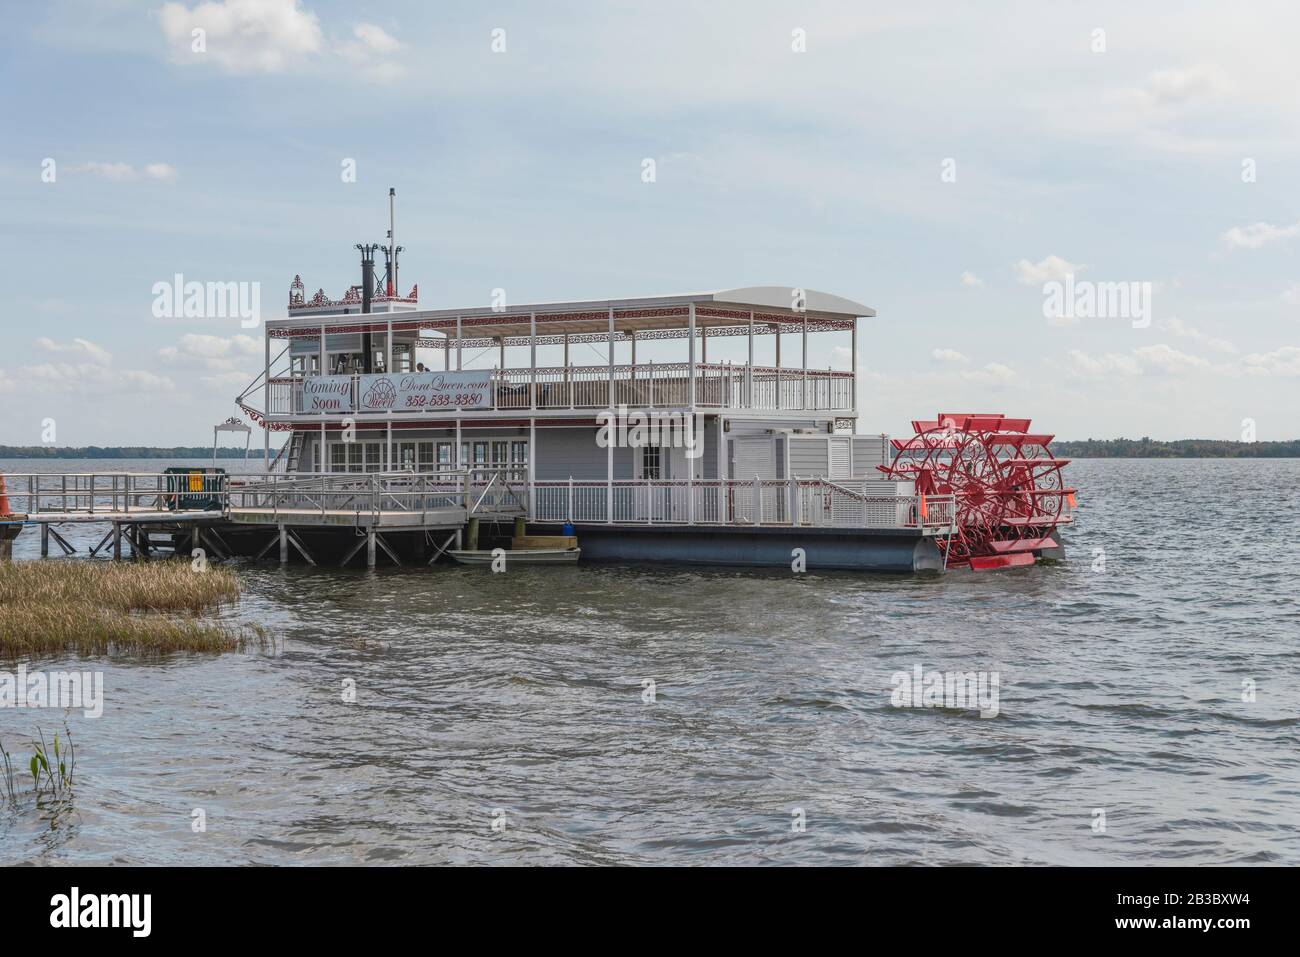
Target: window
column 651, row 457
column 480, row 454
column 426, row 456
column 446, row 461
column 405, row 458
column 374, row 456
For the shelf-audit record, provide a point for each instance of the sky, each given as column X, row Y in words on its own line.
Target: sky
column 945, row 163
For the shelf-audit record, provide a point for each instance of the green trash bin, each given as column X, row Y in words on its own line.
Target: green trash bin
column 195, row 489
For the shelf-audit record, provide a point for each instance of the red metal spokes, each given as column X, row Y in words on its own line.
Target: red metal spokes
column 1008, row 489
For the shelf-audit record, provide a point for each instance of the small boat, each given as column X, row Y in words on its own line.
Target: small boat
column 528, row 556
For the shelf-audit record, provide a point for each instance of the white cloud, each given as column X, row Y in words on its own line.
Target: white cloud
column 83, row 367
column 125, row 172
column 1258, row 234
column 226, row 380
column 940, row 355
column 1080, row 365
column 376, row 39
column 1282, row 362
column 216, row 353
column 1049, row 269
column 77, row 349
column 243, row 36
column 1180, row 328
column 1180, row 88
column 995, row 373
column 164, row 172
column 1165, row 358
column 371, row 53
column 968, row 278
column 1292, row 294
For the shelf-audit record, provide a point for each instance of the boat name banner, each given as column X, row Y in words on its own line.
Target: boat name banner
column 415, row 391
column 327, row 393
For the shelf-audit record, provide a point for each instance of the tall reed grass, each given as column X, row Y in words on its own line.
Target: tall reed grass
column 48, row 608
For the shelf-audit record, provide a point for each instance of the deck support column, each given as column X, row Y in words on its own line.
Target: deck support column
column 805, row 360
column 532, row 362
column 532, row 469
column 284, row 544
column 749, row 373
column 117, row 540
column 45, row 539
column 853, row 387
column 611, row 359
column 473, row 534
column 370, row 547
column 690, row 354
column 266, row 408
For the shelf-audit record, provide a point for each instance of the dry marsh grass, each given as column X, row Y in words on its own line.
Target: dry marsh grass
column 50, row 608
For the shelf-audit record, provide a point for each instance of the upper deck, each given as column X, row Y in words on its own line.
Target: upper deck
column 356, row 357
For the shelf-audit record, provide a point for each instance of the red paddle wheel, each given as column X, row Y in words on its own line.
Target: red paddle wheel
column 1008, row 491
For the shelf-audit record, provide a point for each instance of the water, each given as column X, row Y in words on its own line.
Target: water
column 521, row 693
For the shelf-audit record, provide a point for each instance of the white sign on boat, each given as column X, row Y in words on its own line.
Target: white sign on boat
column 327, row 393
column 414, row 391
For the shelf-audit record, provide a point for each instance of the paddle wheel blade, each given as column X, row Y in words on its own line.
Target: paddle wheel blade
column 1009, row 494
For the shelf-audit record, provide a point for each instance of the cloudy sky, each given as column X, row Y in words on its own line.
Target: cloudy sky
column 941, row 162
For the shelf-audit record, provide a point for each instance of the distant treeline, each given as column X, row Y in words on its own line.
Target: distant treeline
column 118, row 452
column 1145, row 448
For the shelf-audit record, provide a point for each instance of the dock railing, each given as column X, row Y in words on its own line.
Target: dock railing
column 367, row 496
column 89, row 493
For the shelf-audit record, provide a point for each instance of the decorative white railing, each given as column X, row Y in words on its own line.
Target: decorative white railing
column 815, row 502
column 644, row 385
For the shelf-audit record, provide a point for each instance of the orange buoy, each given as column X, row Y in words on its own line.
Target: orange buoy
column 1069, row 497
column 4, row 499
column 924, row 512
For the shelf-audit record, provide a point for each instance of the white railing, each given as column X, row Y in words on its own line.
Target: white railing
column 815, row 502
column 368, row 495
column 482, row 492
column 644, row 385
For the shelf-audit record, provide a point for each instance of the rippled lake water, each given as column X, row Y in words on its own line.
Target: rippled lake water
column 519, row 697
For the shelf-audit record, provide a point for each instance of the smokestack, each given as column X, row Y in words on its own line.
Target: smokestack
column 367, row 287
column 392, row 243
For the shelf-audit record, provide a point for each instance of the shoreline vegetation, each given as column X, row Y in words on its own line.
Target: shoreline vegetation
column 53, row 608
column 1143, row 448
column 122, row 452
column 1146, row 448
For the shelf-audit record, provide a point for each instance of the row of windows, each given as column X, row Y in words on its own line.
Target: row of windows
column 427, row 456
